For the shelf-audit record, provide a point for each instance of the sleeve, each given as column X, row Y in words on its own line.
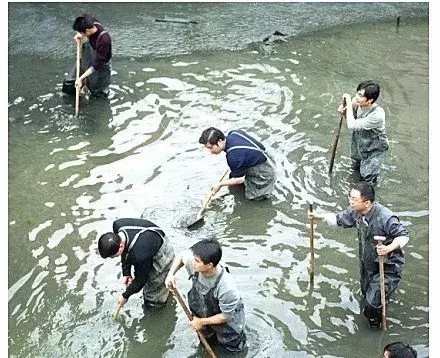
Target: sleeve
column 394, row 228
column 229, row 298
column 187, row 258
column 346, row 218
column 102, row 52
column 374, row 120
column 141, row 274
column 126, row 266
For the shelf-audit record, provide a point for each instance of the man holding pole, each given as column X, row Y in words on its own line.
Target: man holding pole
column 96, row 55
column 214, row 299
column 366, row 120
column 373, row 219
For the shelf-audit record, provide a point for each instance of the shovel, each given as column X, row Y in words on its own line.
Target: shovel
column 199, row 216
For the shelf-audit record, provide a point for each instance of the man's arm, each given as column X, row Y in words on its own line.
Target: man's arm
column 198, row 323
column 394, row 228
column 170, row 280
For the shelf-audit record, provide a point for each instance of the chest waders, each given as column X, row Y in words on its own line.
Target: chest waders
column 155, row 292
column 207, row 305
column 369, row 267
column 260, row 179
column 368, row 149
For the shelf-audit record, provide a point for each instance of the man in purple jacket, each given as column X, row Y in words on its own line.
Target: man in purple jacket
column 96, row 55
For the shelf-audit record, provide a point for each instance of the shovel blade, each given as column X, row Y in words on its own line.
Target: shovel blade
column 193, row 220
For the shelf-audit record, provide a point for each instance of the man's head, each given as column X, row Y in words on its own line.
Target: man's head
column 367, row 92
column 399, row 350
column 110, row 245
column 207, row 254
column 83, row 26
column 361, row 197
column 213, row 139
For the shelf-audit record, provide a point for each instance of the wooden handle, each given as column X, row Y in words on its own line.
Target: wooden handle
column 115, row 315
column 335, row 143
column 179, row 298
column 78, row 61
column 380, row 240
column 209, row 196
column 312, row 245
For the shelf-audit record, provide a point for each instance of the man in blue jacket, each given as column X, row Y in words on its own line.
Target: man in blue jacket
column 250, row 163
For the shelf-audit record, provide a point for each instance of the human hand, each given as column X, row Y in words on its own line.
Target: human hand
column 122, row 301
column 127, row 280
column 170, row 282
column 78, row 83
column 77, row 37
column 382, row 250
column 215, row 188
column 196, row 323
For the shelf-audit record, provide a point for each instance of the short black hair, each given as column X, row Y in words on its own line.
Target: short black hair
column 211, row 135
column 209, row 251
column 366, row 189
column 400, row 350
column 108, row 244
column 371, row 89
column 81, row 24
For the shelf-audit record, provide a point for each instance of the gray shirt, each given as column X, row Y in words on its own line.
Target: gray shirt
column 226, row 291
column 367, row 119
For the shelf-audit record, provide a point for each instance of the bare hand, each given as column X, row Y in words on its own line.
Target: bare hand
column 170, row 282
column 78, row 83
column 382, row 250
column 127, row 280
column 77, row 37
column 215, row 188
column 196, row 323
column 122, row 301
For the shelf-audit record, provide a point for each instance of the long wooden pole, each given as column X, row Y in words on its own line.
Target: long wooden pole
column 78, row 61
column 335, row 143
column 115, row 315
column 380, row 240
column 312, row 245
column 190, row 317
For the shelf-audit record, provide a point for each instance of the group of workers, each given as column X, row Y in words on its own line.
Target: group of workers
column 147, row 256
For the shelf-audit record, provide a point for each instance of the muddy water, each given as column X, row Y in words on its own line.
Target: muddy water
column 137, row 154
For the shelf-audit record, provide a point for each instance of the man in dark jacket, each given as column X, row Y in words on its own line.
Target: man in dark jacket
column 144, row 247
column 96, row 55
column 373, row 219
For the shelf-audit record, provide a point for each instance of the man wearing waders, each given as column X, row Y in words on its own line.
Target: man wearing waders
column 96, row 55
column 214, row 298
column 366, row 120
column 248, row 159
column 144, row 247
column 372, row 219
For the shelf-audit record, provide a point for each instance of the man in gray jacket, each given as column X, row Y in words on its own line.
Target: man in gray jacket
column 372, row 219
column 366, row 120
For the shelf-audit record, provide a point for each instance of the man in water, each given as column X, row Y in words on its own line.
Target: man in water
column 372, row 219
column 96, row 55
column 248, row 159
column 214, row 298
column 399, row 350
column 366, row 120
column 144, row 247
